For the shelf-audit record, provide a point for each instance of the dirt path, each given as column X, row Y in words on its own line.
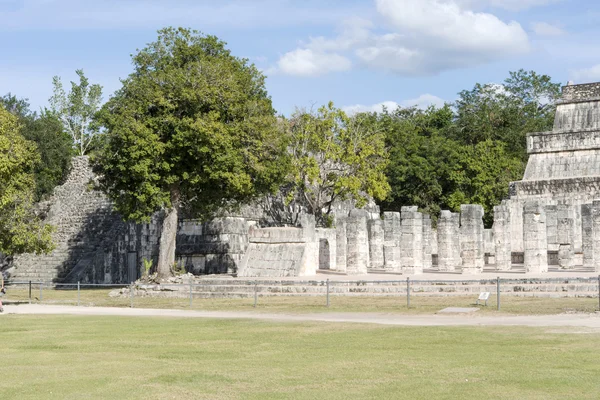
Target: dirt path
column 562, row 320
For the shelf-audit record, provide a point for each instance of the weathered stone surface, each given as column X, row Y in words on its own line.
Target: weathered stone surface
column 587, row 235
column 502, row 238
column 358, row 243
column 448, row 241
column 341, row 241
column 534, row 228
column 471, row 238
column 411, row 242
column 376, row 240
column 391, row 256
column 392, row 228
column 596, row 234
column 427, row 245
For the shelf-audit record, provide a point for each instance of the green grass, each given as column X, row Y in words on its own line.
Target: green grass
column 302, row 304
column 70, row 357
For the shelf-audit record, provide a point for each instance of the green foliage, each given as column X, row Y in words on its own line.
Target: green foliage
column 77, row 109
column 468, row 153
column 20, row 230
column 53, row 144
column 192, row 123
column 334, row 157
column 524, row 103
column 147, row 266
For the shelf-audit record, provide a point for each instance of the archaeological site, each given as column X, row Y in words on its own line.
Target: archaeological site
column 549, row 222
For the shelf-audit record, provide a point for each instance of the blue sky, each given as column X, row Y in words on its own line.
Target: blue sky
column 360, row 54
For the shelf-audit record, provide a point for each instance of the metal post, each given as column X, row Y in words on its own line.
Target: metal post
column 255, row 293
column 29, row 292
column 598, row 292
column 191, row 286
column 41, row 292
column 78, row 293
column 498, row 293
column 407, row 292
column 131, row 295
column 327, row 293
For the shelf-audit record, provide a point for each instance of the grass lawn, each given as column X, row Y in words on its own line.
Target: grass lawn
column 71, row 357
column 302, row 304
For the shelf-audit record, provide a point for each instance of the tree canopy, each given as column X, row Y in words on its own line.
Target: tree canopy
column 192, row 129
column 76, row 110
column 333, row 157
column 469, row 151
column 20, row 230
column 53, row 144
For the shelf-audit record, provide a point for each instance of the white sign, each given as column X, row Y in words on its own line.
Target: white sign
column 484, row 296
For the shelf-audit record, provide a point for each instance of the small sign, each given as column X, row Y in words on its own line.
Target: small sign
column 484, row 296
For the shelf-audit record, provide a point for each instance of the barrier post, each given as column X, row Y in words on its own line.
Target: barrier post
column 41, row 292
column 327, row 293
column 131, row 295
column 29, row 292
column 78, row 293
column 191, row 286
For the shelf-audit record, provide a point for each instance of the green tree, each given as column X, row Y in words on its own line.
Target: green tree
column 525, row 102
column 422, row 159
column 53, row 144
column 77, row 109
column 334, row 158
column 193, row 130
column 20, row 230
column 481, row 176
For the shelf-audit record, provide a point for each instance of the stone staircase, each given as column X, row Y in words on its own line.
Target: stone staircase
column 83, row 218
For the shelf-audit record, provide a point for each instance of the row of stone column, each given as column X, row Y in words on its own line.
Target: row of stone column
column 404, row 241
column 552, row 227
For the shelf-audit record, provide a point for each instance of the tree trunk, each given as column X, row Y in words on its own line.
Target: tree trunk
column 168, row 235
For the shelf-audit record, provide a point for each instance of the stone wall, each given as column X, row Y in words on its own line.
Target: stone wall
column 281, row 252
column 581, row 91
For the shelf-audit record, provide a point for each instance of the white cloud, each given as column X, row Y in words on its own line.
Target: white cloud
column 425, row 37
column 390, row 105
column 546, row 29
column 453, row 27
column 307, row 62
column 422, row 102
column 586, row 75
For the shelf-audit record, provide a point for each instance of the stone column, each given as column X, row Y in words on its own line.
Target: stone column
column 471, row 238
column 535, row 237
column 552, row 226
column 392, row 228
column 411, row 243
column 587, row 235
column 357, row 236
column 502, row 238
column 391, row 248
column 565, row 234
column 376, row 239
column 447, row 232
column 340, row 243
column 427, row 248
column 596, row 234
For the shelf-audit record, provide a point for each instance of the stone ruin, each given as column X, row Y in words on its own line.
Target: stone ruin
column 551, row 221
